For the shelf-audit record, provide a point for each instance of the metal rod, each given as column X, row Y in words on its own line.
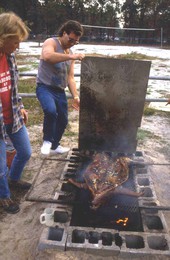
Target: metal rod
column 63, row 160
column 133, row 163
column 156, row 100
column 161, row 36
column 117, row 28
column 157, row 164
column 49, row 200
column 149, row 164
column 33, row 95
column 29, row 74
column 159, row 77
column 72, row 203
column 155, row 207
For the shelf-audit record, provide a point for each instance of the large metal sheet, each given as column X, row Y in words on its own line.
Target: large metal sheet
column 112, row 94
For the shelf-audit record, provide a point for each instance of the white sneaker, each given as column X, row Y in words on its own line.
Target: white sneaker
column 45, row 148
column 59, row 149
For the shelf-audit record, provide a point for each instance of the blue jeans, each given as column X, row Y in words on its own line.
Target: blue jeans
column 21, row 143
column 54, row 105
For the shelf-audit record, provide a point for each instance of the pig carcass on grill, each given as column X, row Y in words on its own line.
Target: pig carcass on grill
column 104, row 176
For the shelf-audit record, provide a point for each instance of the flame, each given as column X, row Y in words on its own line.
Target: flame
column 122, row 221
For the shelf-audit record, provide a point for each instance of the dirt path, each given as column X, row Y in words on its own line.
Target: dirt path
column 20, row 233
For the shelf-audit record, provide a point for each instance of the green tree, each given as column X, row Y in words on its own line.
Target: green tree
column 29, row 11
column 47, row 16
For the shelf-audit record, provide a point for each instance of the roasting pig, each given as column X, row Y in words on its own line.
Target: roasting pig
column 104, row 177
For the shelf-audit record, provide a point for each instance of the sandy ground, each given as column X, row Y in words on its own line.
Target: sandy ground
column 20, row 233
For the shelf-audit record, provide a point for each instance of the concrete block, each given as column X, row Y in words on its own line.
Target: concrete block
column 53, row 238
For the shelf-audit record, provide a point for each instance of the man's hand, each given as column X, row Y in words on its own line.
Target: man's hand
column 168, row 102
column 78, row 56
column 24, row 114
column 76, row 103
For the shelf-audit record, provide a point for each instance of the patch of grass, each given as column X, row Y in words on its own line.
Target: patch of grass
column 27, row 85
column 68, row 132
column 149, row 90
column 162, row 92
column 37, row 141
column 24, row 68
column 27, row 174
column 148, row 111
column 24, row 60
column 28, row 221
column 31, row 67
column 22, row 57
column 35, row 113
column 34, row 65
column 34, row 119
column 142, row 135
column 135, row 55
column 32, row 105
column 167, row 95
column 96, row 55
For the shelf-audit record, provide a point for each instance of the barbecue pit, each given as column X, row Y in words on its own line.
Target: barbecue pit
column 112, row 101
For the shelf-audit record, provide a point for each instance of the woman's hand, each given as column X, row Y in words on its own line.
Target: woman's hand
column 24, row 114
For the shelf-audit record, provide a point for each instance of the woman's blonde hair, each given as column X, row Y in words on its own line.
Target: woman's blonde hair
column 12, row 25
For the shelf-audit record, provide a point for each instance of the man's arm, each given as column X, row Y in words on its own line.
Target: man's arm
column 73, row 88
column 168, row 103
column 50, row 54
